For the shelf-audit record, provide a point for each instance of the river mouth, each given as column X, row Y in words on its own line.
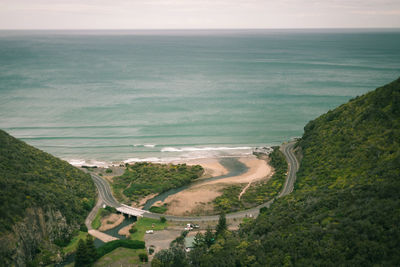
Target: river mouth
column 233, row 165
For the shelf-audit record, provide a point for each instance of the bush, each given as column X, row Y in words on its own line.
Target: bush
column 163, row 219
column 108, row 170
column 143, row 257
column 156, row 209
column 151, row 251
column 133, row 229
column 83, row 228
column 111, row 209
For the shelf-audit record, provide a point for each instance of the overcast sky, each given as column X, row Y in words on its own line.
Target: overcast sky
column 205, row 14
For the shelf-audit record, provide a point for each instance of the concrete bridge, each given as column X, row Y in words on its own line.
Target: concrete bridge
column 130, row 211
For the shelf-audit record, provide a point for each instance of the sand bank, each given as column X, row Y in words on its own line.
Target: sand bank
column 198, row 198
column 111, row 221
column 125, row 230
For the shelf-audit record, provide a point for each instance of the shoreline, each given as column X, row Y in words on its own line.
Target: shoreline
column 197, row 199
column 167, row 155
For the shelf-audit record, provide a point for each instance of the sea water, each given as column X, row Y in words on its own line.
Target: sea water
column 94, row 97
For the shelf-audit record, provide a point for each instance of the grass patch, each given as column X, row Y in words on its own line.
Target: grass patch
column 156, row 209
column 96, row 223
column 144, row 224
column 71, row 247
column 120, row 257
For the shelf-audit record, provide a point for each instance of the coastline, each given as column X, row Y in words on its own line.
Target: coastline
column 197, row 199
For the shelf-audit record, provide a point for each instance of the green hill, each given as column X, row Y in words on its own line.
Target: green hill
column 43, row 201
column 345, row 209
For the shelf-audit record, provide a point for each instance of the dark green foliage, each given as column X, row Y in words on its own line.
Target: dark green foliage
column 143, row 257
column 163, row 219
column 82, row 257
column 221, row 226
column 199, row 240
column 209, row 237
column 110, row 210
column 108, row 171
column 151, row 250
column 156, row 209
column 142, row 179
column 345, row 208
column 83, row 228
column 91, row 249
column 259, row 192
column 31, row 178
column 133, row 229
column 125, row 243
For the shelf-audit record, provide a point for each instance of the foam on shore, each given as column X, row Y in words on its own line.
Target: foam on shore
column 171, row 155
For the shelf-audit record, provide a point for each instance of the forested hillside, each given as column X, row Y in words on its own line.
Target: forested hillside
column 345, row 209
column 43, row 200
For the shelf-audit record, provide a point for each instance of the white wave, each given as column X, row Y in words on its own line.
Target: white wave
column 76, row 162
column 131, row 160
column 90, row 163
column 193, row 149
column 149, row 145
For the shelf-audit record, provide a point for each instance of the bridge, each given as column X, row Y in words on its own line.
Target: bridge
column 125, row 209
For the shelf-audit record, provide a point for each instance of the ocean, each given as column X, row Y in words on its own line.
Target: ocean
column 95, row 97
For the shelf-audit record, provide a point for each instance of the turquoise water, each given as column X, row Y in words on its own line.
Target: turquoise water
column 101, row 96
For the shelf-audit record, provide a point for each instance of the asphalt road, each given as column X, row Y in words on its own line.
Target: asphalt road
column 105, row 191
column 293, row 165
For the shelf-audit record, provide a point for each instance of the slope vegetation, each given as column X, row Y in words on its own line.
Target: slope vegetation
column 43, row 201
column 143, row 178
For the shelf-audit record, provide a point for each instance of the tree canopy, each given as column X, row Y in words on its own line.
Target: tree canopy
column 31, row 178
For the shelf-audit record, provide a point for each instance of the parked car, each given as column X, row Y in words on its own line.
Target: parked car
column 149, row 231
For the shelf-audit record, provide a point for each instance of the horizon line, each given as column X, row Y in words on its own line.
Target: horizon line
column 200, row 29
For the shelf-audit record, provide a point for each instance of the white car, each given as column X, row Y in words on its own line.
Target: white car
column 149, row 231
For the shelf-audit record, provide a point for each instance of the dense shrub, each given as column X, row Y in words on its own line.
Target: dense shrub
column 143, row 257
column 30, row 177
column 143, row 178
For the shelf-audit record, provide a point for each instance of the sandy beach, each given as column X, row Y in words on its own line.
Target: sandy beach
column 198, row 198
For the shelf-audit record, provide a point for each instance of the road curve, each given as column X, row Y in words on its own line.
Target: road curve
column 287, row 149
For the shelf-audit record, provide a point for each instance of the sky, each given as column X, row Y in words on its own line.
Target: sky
column 198, row 14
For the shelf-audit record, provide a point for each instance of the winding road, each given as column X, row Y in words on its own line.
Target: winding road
column 107, row 198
